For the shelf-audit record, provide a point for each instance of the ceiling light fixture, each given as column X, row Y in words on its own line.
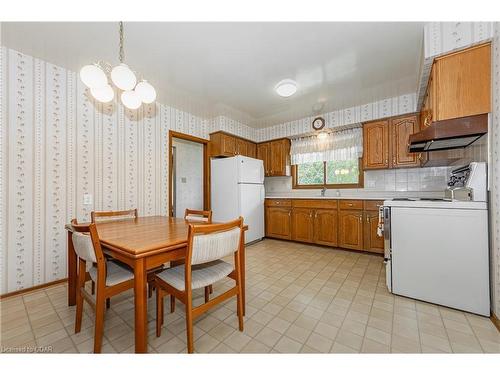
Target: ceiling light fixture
column 286, row 88
column 95, row 77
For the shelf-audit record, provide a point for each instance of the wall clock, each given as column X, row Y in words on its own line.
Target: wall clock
column 318, row 123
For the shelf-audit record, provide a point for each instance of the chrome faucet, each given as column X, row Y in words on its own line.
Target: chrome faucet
column 323, row 191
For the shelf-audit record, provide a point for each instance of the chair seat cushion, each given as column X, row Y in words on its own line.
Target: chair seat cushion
column 115, row 273
column 201, row 274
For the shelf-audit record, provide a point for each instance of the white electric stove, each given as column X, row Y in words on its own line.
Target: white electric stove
column 436, row 250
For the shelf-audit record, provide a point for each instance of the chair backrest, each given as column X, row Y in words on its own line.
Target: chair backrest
column 100, row 216
column 86, row 242
column 198, row 216
column 210, row 242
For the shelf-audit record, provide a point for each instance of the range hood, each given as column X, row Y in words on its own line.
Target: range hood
column 449, row 134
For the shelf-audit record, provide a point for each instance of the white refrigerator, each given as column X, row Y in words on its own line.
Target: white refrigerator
column 237, row 189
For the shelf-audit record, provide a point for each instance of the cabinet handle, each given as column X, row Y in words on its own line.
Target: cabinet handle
column 386, row 161
column 311, row 215
column 289, row 213
column 368, row 219
column 350, row 204
column 360, row 218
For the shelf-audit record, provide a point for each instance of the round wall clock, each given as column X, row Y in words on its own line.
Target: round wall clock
column 318, row 123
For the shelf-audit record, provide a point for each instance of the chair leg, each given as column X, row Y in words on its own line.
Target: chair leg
column 239, row 298
column 211, row 289
column 172, row 304
column 79, row 297
column 189, row 321
column 108, row 303
column 99, row 322
column 150, row 290
column 159, row 311
column 207, row 293
column 93, row 287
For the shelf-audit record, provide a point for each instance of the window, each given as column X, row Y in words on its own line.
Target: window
column 334, row 174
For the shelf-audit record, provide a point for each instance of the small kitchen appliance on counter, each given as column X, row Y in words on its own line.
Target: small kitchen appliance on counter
column 437, row 250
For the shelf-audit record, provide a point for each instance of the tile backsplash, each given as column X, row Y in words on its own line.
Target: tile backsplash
column 431, row 179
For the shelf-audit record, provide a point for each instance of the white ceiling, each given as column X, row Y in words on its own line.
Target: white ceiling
column 212, row 68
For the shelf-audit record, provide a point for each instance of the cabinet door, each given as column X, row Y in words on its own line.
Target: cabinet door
column 302, row 224
column 325, row 227
column 280, row 155
column 376, row 145
column 251, row 150
column 401, row 129
column 373, row 242
column 228, row 145
column 241, row 147
column 278, row 222
column 351, row 229
column 463, row 83
column 263, row 154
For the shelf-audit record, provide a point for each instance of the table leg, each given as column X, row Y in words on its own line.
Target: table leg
column 72, row 271
column 141, row 301
column 242, row 271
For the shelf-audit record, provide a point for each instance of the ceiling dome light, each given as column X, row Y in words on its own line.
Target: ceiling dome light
column 123, row 77
column 286, row 88
column 322, row 135
column 131, row 99
column 93, row 76
column 103, row 94
column 146, row 92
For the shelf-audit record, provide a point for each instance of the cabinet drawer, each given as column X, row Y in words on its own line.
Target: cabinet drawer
column 373, row 205
column 314, row 203
column 278, row 203
column 351, row 204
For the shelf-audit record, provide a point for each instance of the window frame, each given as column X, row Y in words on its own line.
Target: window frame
column 360, row 183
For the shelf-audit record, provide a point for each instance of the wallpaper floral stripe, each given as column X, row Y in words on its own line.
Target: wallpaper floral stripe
column 58, row 144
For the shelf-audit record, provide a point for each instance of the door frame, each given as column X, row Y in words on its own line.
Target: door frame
column 206, row 168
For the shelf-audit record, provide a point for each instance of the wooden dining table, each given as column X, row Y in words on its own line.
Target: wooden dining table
column 143, row 243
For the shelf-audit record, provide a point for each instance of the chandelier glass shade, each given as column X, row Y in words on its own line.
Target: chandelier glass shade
column 99, row 78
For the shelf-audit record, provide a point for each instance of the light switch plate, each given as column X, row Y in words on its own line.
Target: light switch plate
column 87, row 199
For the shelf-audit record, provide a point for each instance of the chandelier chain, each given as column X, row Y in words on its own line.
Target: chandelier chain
column 122, row 53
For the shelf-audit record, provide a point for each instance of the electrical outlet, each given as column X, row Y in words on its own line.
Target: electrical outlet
column 87, row 199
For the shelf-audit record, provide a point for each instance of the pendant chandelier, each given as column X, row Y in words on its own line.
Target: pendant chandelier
column 97, row 78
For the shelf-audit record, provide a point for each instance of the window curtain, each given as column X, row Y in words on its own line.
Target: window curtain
column 339, row 145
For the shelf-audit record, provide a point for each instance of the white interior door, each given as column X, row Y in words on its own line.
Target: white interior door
column 188, row 179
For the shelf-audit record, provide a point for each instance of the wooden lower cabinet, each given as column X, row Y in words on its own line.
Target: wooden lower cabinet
column 325, row 227
column 351, row 229
column 278, row 222
column 349, row 224
column 302, row 224
column 372, row 242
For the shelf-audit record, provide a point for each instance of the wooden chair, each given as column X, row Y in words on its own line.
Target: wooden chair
column 207, row 244
column 195, row 216
column 111, row 278
column 103, row 216
column 198, row 216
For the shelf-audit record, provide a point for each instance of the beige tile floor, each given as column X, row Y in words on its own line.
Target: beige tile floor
column 300, row 299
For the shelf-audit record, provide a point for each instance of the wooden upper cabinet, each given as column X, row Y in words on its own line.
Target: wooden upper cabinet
column 241, row 146
column 351, row 229
column 376, row 145
column 372, row 241
column 325, row 227
column 263, row 154
column 280, row 157
column 302, row 224
column 462, row 83
column 251, row 150
column 401, row 129
column 276, row 157
column 223, row 144
column 278, row 222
